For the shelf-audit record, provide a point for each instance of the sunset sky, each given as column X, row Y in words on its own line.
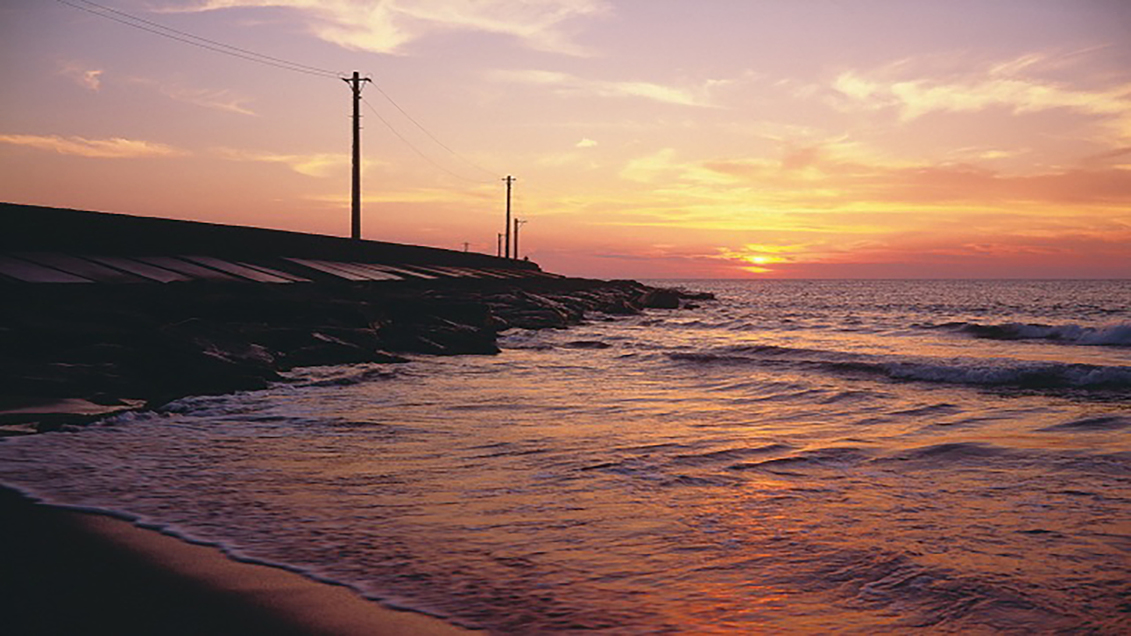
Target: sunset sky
column 650, row 138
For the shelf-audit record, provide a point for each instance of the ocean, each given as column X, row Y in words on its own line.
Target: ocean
column 794, row 457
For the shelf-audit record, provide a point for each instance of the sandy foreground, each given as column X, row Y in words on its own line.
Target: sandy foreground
column 64, row 572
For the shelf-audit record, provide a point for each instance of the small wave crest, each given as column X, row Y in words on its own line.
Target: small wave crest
column 730, row 454
column 341, row 376
column 1099, row 423
column 835, row 457
column 950, row 452
column 1022, row 374
column 988, row 372
column 749, row 353
column 926, row 596
column 1117, row 335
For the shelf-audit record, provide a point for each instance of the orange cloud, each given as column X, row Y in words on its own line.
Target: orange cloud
column 569, row 85
column 90, row 78
column 113, row 148
column 760, row 259
column 217, row 99
column 850, row 181
column 312, row 165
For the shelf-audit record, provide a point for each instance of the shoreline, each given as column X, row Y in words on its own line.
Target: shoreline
column 142, row 346
column 74, row 354
column 108, row 312
column 68, row 571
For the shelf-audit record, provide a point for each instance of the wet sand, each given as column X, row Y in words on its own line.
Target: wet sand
column 66, row 572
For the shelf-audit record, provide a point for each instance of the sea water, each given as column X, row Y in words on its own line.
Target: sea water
column 795, row 457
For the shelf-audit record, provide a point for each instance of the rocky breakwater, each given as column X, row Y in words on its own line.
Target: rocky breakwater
column 75, row 353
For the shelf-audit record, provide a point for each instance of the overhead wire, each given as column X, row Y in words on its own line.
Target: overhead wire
column 155, row 28
column 185, row 37
column 413, row 146
column 433, row 137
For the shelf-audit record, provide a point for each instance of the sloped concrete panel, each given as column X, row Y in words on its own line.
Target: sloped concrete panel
column 145, row 270
column 29, row 272
column 81, row 267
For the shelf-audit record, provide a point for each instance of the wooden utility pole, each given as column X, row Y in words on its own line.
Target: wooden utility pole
column 517, row 223
column 355, row 216
column 509, row 179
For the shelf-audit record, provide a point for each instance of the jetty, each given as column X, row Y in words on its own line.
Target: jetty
column 107, row 312
column 52, row 245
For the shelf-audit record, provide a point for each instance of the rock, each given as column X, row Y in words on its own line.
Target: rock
column 660, row 299
column 587, row 344
column 443, row 337
column 332, row 353
column 160, row 342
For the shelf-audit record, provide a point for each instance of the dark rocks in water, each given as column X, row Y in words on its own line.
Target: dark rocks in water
column 440, row 336
column 328, row 350
column 528, row 310
column 157, row 343
column 587, row 344
column 660, row 299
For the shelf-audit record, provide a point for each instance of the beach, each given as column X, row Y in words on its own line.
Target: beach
column 138, row 348
column 68, row 572
column 119, row 345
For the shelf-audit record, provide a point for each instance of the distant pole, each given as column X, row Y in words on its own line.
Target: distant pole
column 499, row 251
column 466, row 246
column 509, row 179
column 355, row 216
column 517, row 223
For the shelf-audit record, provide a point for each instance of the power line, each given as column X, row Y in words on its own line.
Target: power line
column 121, row 17
column 413, row 146
column 433, row 137
column 185, row 37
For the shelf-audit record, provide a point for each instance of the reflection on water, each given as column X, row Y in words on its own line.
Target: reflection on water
column 830, row 457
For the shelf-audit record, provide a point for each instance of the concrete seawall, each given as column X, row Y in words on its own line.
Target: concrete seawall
column 104, row 313
column 53, row 245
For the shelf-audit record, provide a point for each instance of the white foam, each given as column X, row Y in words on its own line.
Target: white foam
column 1025, row 374
column 1116, row 335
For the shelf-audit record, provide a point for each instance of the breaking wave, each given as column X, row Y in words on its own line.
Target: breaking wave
column 1023, row 374
column 1118, row 335
column 988, row 372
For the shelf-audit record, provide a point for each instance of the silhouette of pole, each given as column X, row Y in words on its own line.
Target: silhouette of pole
column 499, row 250
column 355, row 208
column 517, row 224
column 509, row 179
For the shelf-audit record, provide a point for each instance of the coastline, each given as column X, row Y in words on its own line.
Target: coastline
column 138, row 347
column 85, row 573
column 107, row 312
column 76, row 354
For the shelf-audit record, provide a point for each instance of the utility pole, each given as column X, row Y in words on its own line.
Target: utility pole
column 355, row 216
column 499, row 250
column 466, row 246
column 517, row 223
column 509, row 179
